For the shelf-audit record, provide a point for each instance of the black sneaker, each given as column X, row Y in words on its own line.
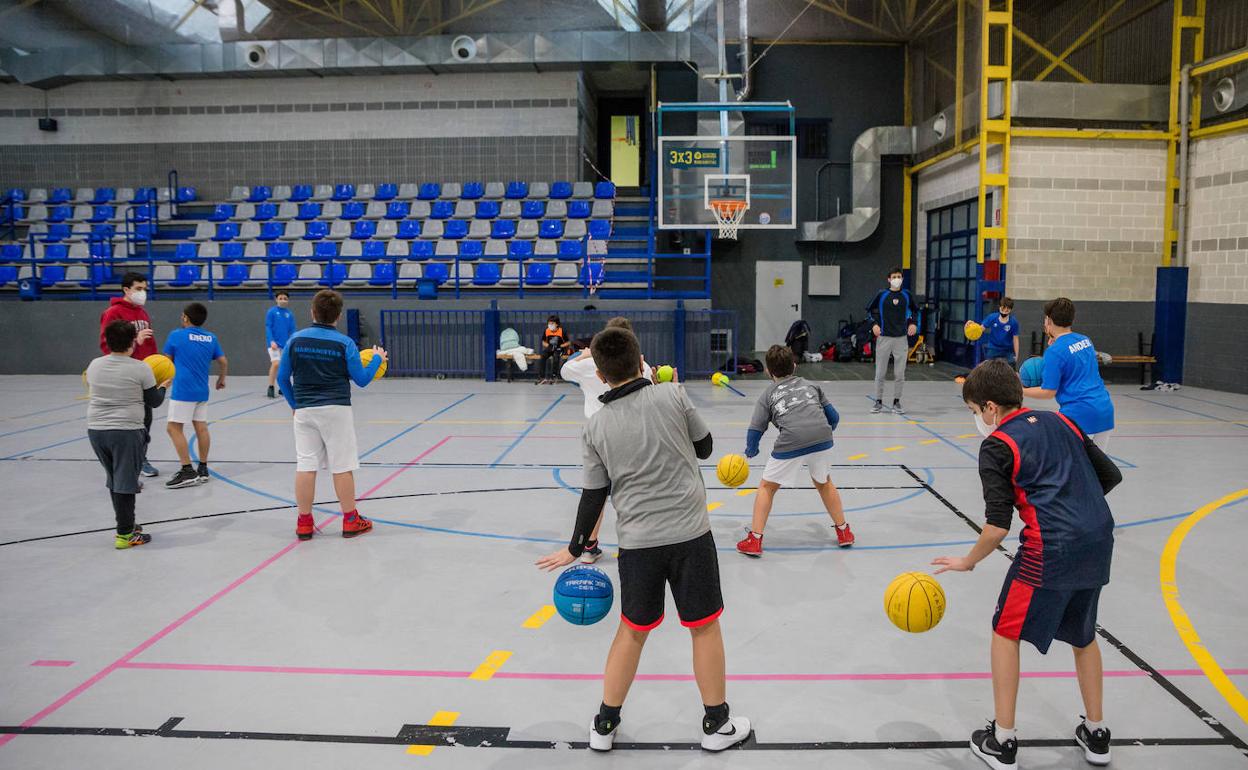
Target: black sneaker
column 271, row 393
column 879, row 407
column 1095, row 744
column 202, row 475
column 996, row 755
column 592, row 552
column 185, row 477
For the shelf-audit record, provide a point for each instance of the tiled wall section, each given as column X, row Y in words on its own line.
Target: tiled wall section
column 215, row 167
column 1085, row 219
column 1218, row 220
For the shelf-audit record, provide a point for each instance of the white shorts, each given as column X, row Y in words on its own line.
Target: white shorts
column 787, row 473
column 325, row 438
column 275, row 354
column 187, row 411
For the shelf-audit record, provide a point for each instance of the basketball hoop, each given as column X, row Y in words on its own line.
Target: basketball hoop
column 728, row 213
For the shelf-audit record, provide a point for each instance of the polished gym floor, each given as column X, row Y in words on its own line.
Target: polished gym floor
column 226, row 642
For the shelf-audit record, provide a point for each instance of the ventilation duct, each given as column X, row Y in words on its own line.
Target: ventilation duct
column 870, row 146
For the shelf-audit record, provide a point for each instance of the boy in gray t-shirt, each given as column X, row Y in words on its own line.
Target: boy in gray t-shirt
column 806, row 419
column 643, row 448
column 121, row 388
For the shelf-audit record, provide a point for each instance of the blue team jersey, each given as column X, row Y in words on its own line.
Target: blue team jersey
column 318, row 366
column 1000, row 332
column 1071, row 369
column 279, row 324
column 193, row 350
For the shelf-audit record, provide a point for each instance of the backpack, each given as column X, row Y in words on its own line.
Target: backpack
column 844, row 350
column 798, row 338
column 749, row 366
column 510, row 338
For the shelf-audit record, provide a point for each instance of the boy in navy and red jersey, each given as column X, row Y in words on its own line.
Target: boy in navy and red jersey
column 1042, row 464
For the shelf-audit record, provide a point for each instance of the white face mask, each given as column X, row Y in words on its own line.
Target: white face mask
column 552, row 327
column 894, row 282
column 984, row 428
column 138, row 297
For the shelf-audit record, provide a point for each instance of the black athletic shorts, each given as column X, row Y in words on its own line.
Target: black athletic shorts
column 1040, row 615
column 691, row 568
column 121, row 452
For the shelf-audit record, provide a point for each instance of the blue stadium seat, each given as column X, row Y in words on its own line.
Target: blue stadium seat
column 8, row 274
column 271, row 231
column 11, row 252
column 102, row 250
column 224, row 212
column 144, row 195
column 373, row 250
column 308, row 212
column 363, row 229
column 343, row 192
column 104, row 230
column 429, row 191
column 538, row 274
column 226, row 231
column 334, row 275
column 578, row 209
column 455, row 228
column 409, row 229
column 600, row 229
column 487, row 274
column 231, row 252
column 60, row 195
column 551, row 228
column 300, row 193
column 503, row 229
column 16, row 194
column 383, row 275
column 594, row 272
column 533, row 209
column 437, row 272
column 520, row 249
column 102, row 214
column 264, row 212
column 441, row 210
column 560, row 190
column 98, row 275
column 571, row 250
column 325, row 250
column 471, row 249
column 316, row 231
column 260, row 194
column 472, row 191
column 517, row 190
column 55, row 252
column 487, row 209
column 283, row 274
column 352, row 210
column 184, row 251
column 147, row 212
column 234, row 276
column 186, row 277
column 56, row 234
column 278, row 250
column 386, row 192
column 103, row 195
column 604, row 191
column 51, row 275
column 60, row 213
column 183, row 194
column 421, row 250
column 398, row 209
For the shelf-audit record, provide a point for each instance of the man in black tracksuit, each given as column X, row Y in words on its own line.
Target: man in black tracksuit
column 895, row 316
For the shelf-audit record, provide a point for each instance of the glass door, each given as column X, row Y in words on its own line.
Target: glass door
column 952, row 277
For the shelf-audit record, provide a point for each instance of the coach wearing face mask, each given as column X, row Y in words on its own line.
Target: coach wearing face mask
column 894, row 314
column 129, row 307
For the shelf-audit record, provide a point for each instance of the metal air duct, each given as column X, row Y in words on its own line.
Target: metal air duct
column 870, row 146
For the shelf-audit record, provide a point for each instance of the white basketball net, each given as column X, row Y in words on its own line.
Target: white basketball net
column 728, row 213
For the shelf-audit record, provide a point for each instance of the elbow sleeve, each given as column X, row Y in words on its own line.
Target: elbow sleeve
column 703, row 447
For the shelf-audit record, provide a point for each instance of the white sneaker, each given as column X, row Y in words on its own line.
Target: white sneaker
column 600, row 742
column 729, row 734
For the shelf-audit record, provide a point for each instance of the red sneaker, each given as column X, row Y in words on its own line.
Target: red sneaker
column 305, row 527
column 844, row 536
column 354, row 524
column 752, row 545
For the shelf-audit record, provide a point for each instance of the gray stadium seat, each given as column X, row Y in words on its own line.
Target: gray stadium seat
column 494, row 190
column 375, row 209
column 603, row 210
column 81, row 213
column 294, row 231
column 366, row 192
column 420, row 210
column 84, row 194
column 511, row 274
column 287, row 210
column 431, row 228
column 281, row 192
column 339, row 230
column 353, row 249
column 566, row 273
column 451, row 191
column 36, row 213
column 217, row 273
column 204, row 231
column 358, row 274
column 583, row 190
column 557, row 210
column 259, row 275
column 408, row 191
column 78, row 251
column 386, row 229
column 574, row 228
column 239, row 194
column 545, row 248
column 446, row 249
column 465, row 210
column 509, row 210
column 301, row 249
column 597, row 248
column 322, row 192
column 409, row 272
column 210, row 249
column 331, row 210
column 397, row 248
column 244, row 211
column 309, row 274
column 254, row 250
column 539, row 190
column 496, row 249
column 479, row 229
column 526, row 229
column 249, row 231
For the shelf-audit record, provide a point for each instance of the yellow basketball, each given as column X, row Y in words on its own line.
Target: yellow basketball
column 366, row 357
column 973, row 330
column 720, row 379
column 915, row 602
column 732, row 470
column 162, row 367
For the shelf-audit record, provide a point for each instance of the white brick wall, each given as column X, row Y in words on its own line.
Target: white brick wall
column 444, row 121
column 1218, row 220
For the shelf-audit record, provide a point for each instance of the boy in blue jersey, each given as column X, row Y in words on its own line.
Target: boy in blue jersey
column 895, row 319
column 318, row 366
column 1042, row 464
column 192, row 349
column 1001, row 330
column 1072, row 374
column 805, row 418
column 279, row 324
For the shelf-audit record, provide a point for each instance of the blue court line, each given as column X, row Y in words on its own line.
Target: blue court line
column 413, row 427
column 45, row 425
column 42, row 411
column 527, row 430
column 1189, row 411
column 728, row 385
column 1207, row 401
column 1121, row 462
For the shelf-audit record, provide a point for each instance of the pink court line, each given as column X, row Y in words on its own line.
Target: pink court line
column 53, row 663
column 407, row 465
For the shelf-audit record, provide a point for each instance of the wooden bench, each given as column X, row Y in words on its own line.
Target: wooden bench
column 511, row 363
column 1142, row 358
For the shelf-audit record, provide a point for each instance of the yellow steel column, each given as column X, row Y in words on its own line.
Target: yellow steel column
column 907, row 238
column 959, row 74
column 994, row 132
column 1181, row 21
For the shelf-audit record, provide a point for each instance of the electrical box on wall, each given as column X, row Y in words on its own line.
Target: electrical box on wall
column 824, row 280
column 47, row 124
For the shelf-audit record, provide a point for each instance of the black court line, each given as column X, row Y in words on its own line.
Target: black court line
column 464, row 736
column 1229, row 737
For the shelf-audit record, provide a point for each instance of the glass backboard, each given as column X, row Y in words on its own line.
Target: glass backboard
column 697, row 171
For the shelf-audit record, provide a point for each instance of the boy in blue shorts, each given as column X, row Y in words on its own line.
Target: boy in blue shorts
column 1072, row 374
column 192, row 349
column 1042, row 464
column 279, row 324
column 1001, row 330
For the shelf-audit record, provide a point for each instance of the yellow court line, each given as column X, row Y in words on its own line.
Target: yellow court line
column 539, row 618
column 930, row 441
column 493, row 662
column 969, row 435
column 856, row 457
column 440, row 719
column 745, row 492
column 712, row 506
column 893, row 448
column 1182, row 623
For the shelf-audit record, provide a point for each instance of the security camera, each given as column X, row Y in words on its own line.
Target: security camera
column 256, row 56
column 464, row 48
column 940, row 125
column 1224, row 94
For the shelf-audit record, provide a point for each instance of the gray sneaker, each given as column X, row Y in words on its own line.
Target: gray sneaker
column 897, row 408
column 879, row 407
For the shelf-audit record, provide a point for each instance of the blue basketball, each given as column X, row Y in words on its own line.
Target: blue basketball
column 1032, row 372
column 583, row 595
